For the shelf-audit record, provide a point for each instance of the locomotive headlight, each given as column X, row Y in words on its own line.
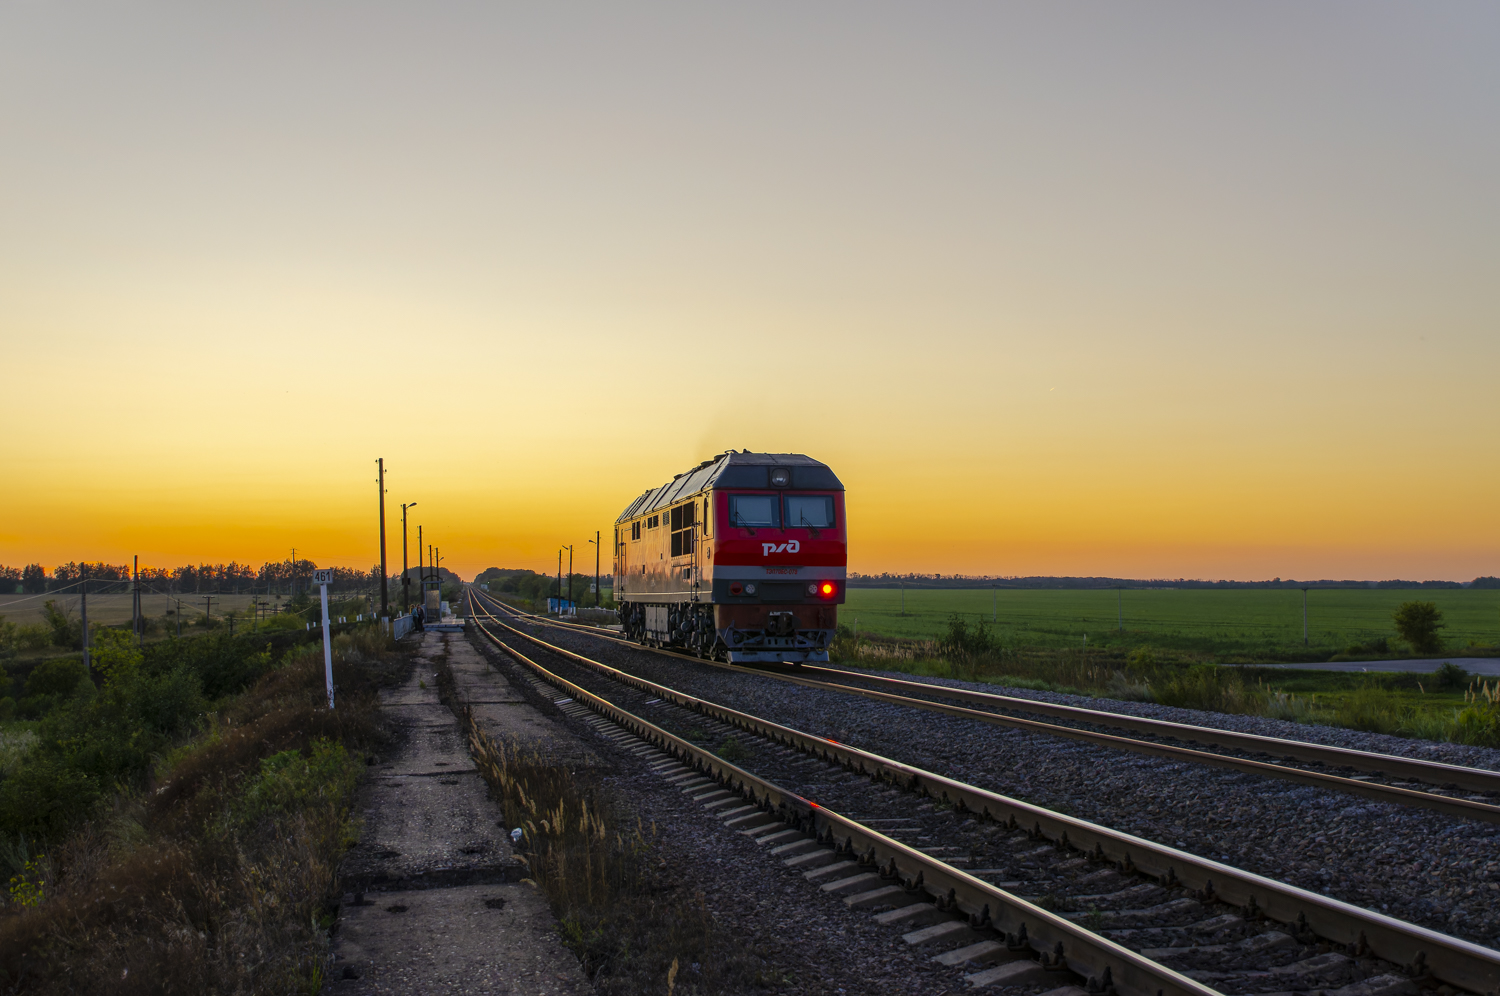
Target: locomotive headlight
column 750, row 589
column 827, row 588
column 780, row 477
column 812, row 589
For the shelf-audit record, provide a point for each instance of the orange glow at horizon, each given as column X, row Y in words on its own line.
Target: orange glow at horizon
column 1088, row 293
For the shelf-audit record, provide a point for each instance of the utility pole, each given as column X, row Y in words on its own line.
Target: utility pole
column 598, row 591
column 294, row 572
column 405, row 580
column 83, row 608
column 385, row 606
column 1304, row 617
column 903, row 598
column 208, row 610
column 135, row 603
column 994, row 605
column 570, row 572
column 559, row 580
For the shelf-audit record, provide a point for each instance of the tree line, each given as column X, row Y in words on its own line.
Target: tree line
column 285, row 578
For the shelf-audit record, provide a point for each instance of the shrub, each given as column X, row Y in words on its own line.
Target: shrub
column 1450, row 675
column 33, row 637
column 66, row 632
column 288, row 782
column 1418, row 624
column 224, row 664
column 114, row 654
column 59, row 677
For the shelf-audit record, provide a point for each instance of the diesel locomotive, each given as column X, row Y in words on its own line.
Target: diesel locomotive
column 742, row 558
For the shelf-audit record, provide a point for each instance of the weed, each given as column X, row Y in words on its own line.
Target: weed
column 732, row 750
column 619, row 909
column 28, row 887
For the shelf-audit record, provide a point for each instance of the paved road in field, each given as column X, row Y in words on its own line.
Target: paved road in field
column 1473, row 665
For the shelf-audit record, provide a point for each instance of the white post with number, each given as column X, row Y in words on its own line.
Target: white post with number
column 323, row 579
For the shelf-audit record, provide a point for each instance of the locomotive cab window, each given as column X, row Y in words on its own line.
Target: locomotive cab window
column 755, row 510
column 809, row 511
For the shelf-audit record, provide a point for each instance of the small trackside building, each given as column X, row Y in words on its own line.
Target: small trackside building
column 743, row 558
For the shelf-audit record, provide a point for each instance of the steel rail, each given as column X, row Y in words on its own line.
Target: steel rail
column 1453, row 960
column 1431, row 772
column 1448, row 805
column 1059, row 942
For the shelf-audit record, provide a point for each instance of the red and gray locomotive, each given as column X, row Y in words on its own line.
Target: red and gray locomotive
column 743, row 558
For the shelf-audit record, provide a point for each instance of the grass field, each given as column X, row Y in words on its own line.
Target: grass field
column 112, row 610
column 1254, row 623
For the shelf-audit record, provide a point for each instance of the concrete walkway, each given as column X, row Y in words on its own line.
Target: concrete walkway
column 434, row 903
column 1473, row 665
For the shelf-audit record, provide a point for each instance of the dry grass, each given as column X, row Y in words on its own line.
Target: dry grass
column 621, row 908
column 186, row 888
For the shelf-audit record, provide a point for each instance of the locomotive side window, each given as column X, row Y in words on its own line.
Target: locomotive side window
column 682, row 529
column 810, row 511
column 754, row 510
column 635, row 530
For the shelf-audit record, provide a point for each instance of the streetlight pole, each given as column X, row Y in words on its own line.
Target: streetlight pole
column 570, row 572
column 385, row 607
column 405, row 580
column 559, row 580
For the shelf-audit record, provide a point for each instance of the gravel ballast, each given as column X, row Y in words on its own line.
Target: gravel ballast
column 1437, row 871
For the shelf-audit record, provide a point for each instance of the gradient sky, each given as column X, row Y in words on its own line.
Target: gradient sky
column 1132, row 289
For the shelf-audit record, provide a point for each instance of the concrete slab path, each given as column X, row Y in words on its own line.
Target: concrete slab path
column 435, row 904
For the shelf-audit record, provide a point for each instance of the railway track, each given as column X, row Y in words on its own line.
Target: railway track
column 1389, row 778
column 965, row 868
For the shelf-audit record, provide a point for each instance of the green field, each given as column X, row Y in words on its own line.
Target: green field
column 1237, row 622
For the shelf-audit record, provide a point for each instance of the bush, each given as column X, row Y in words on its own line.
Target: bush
column 33, row 637
column 59, row 677
column 1450, row 675
column 288, row 782
column 1418, row 624
column 224, row 664
column 66, row 632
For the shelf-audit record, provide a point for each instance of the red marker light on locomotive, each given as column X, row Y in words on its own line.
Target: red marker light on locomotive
column 827, row 589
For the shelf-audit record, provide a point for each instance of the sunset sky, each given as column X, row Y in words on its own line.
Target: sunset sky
column 1142, row 289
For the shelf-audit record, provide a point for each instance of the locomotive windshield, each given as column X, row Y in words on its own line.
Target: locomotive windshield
column 802, row 511
column 810, row 511
column 754, row 510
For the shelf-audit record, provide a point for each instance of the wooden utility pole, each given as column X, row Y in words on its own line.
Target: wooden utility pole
column 384, row 594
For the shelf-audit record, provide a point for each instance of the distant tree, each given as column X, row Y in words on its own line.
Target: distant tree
column 1418, row 623
column 34, row 579
column 1486, row 582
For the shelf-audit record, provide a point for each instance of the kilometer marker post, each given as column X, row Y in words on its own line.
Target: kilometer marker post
column 323, row 579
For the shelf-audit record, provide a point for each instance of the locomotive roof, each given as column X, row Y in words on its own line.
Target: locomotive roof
column 735, row 470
